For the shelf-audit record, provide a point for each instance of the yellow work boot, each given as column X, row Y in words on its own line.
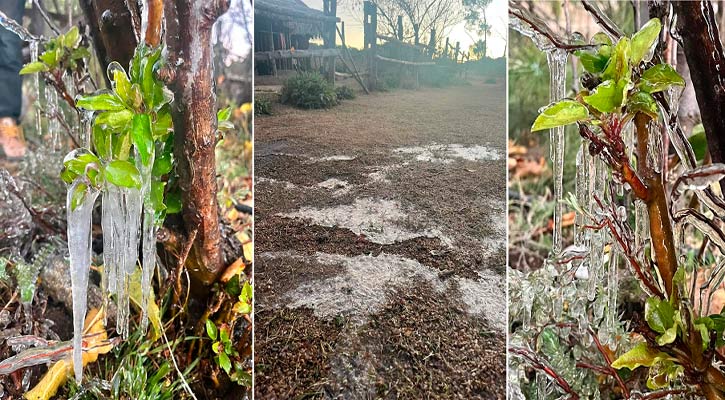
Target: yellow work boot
column 11, row 139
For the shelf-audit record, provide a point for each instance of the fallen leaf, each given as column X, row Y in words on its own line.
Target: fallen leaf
column 94, row 342
column 235, row 268
column 152, row 310
column 247, row 245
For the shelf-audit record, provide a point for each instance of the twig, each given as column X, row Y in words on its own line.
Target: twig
column 602, row 20
column 608, row 360
column 45, row 16
column 556, row 41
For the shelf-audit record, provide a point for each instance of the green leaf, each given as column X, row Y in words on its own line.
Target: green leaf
column 224, row 362
column 80, row 53
column 162, row 126
column 79, row 194
column 148, row 81
column 224, row 333
column 211, row 329
column 246, row 295
column 644, row 40
column 642, row 102
column 71, row 38
column 660, row 77
column 116, row 121
column 608, row 96
column 592, row 62
column 68, row 176
column 659, row 314
column 162, row 165
column 601, row 38
column 224, row 114
column 122, row 146
column 157, row 195
column 242, row 308
column 100, row 102
column 173, row 202
column 102, row 141
column 640, row 355
column 33, row 67
column 142, row 139
column 549, row 342
column 618, row 66
column 668, row 337
column 122, row 173
column 698, row 141
column 564, row 112
column 50, row 58
column 121, row 83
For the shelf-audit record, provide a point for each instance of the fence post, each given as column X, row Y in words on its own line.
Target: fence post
column 455, row 53
column 445, row 49
column 400, row 27
column 371, row 30
column 432, row 43
column 330, row 10
column 416, row 29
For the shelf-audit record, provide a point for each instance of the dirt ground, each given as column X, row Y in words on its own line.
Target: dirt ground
column 380, row 239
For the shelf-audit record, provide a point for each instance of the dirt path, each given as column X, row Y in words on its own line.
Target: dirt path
column 380, row 234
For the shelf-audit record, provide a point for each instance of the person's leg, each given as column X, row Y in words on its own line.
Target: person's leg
column 11, row 61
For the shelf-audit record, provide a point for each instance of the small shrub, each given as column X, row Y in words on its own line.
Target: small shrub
column 262, row 106
column 309, row 90
column 345, row 93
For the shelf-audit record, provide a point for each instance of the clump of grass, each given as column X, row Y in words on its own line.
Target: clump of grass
column 309, row 90
column 345, row 93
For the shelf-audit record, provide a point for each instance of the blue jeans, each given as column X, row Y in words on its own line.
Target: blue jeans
column 11, row 61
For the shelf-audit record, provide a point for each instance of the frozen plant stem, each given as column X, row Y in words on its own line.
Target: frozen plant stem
column 663, row 242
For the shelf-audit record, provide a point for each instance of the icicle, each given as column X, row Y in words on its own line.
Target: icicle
column 53, row 113
column 582, row 192
column 149, row 240
column 557, row 60
column 36, row 87
column 86, row 128
column 79, row 246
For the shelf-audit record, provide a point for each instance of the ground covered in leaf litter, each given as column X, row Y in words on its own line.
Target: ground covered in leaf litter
column 380, row 234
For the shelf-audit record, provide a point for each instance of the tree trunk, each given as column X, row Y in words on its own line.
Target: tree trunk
column 188, row 39
column 701, row 42
column 110, row 23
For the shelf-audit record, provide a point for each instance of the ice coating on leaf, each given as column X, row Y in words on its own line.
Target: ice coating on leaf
column 148, row 241
column 700, row 178
column 79, row 246
column 557, row 60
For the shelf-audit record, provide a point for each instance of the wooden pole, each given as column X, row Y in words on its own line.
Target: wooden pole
column 371, row 27
column 354, row 69
column 400, row 27
column 416, row 29
column 432, row 43
column 445, row 51
column 330, row 9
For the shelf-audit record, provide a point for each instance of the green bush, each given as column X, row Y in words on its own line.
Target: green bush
column 262, row 106
column 309, row 90
column 345, row 93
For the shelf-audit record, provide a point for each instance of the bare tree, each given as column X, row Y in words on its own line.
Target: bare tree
column 422, row 16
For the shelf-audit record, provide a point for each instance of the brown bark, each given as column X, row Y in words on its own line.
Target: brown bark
column 663, row 242
column 153, row 28
column 110, row 22
column 701, row 42
column 188, row 38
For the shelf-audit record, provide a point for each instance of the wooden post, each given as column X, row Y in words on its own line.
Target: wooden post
column 330, row 10
column 400, row 27
column 432, row 43
column 455, row 53
column 445, row 49
column 416, row 29
column 371, row 28
column 271, row 43
column 342, row 33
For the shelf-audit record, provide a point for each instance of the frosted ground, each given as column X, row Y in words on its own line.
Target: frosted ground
column 380, row 234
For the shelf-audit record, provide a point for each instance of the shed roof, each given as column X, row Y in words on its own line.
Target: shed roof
column 290, row 10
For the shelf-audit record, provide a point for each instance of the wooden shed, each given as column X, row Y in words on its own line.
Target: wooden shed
column 282, row 33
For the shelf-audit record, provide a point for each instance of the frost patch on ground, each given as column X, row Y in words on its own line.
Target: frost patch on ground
column 331, row 158
column 286, row 184
column 380, row 173
column 485, row 296
column 362, row 289
column 381, row 221
column 339, row 187
column 446, row 153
